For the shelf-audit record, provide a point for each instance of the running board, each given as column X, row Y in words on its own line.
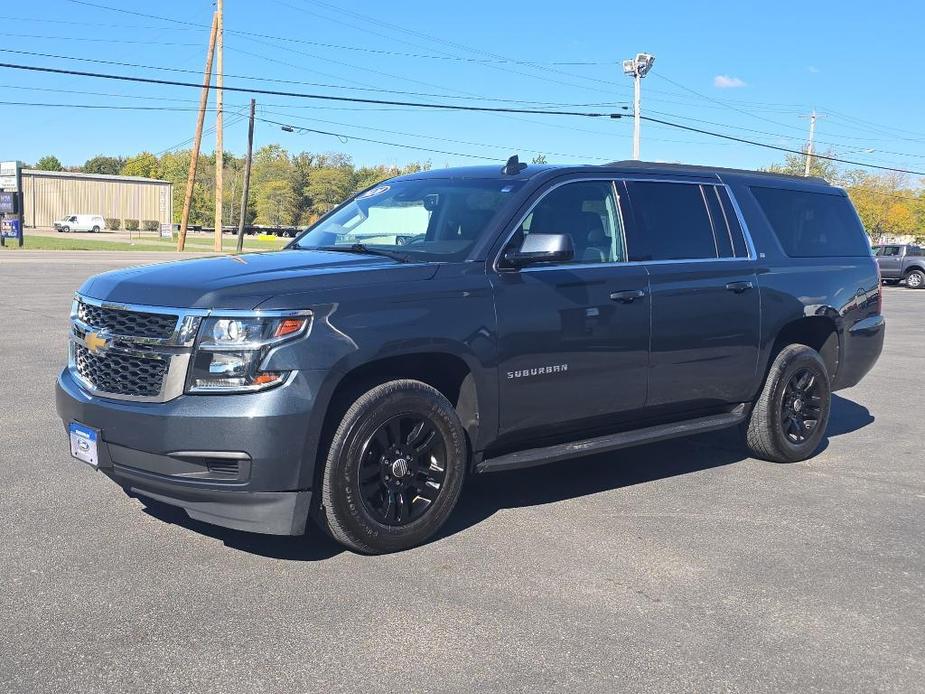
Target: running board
column 612, row 442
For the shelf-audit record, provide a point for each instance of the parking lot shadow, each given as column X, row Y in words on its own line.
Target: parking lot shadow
column 484, row 495
column 569, row 479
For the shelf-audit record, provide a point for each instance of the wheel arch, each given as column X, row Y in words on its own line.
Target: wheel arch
column 818, row 332
column 455, row 375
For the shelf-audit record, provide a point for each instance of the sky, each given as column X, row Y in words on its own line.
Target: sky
column 745, row 69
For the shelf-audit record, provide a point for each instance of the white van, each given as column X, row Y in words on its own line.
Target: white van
column 80, row 222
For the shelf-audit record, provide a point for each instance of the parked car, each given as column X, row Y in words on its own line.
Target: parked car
column 532, row 314
column 80, row 222
column 900, row 262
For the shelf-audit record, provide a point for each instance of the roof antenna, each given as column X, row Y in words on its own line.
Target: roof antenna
column 513, row 166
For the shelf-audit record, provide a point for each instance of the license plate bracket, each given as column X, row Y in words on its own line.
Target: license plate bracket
column 84, row 442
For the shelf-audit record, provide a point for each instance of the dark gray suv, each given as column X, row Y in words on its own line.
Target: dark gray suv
column 450, row 323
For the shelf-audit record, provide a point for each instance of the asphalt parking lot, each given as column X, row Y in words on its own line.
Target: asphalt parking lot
column 680, row 566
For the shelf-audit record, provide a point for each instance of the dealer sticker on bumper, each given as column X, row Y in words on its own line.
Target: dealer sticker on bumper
column 84, row 443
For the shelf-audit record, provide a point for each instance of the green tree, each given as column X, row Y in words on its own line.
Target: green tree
column 144, row 164
column 795, row 165
column 49, row 163
column 539, row 159
column 103, row 165
column 277, row 204
column 329, row 186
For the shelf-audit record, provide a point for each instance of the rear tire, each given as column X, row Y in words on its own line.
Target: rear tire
column 95, row 230
column 394, row 470
column 791, row 414
column 915, row 279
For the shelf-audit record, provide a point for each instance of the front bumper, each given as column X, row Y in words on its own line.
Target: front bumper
column 238, row 461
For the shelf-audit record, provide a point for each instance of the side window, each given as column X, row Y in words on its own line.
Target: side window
column 812, row 225
column 672, row 222
column 586, row 211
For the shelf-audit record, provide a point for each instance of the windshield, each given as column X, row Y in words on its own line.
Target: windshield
column 425, row 219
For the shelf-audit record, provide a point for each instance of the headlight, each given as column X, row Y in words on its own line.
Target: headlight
column 230, row 352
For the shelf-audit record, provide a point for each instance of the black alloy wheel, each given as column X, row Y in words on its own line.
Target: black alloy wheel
column 788, row 419
column 402, row 469
column 801, row 406
column 394, row 469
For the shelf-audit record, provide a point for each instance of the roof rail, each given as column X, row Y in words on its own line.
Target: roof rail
column 695, row 168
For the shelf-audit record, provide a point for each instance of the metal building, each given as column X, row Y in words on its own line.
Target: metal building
column 49, row 195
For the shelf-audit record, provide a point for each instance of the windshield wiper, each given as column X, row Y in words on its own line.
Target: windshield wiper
column 360, row 248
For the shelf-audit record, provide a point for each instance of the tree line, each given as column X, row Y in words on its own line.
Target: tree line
column 295, row 189
column 286, row 189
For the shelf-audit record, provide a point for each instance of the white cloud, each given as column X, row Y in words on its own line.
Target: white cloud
column 727, row 82
column 813, row 69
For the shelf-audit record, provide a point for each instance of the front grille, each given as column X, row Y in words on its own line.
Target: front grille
column 120, row 374
column 133, row 323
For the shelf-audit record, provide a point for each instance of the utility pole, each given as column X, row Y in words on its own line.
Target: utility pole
column 197, row 139
column 809, row 145
column 247, row 177
column 219, row 123
column 637, row 68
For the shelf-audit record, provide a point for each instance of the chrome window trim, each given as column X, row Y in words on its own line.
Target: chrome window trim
column 722, row 210
column 713, row 223
column 177, row 349
column 614, row 179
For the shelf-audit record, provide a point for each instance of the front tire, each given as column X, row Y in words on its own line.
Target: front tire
column 790, row 417
column 65, row 229
column 915, row 279
column 394, row 470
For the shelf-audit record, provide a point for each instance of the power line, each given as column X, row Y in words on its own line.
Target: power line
column 320, row 44
column 117, row 63
column 511, row 148
column 779, row 148
column 303, row 95
column 447, row 107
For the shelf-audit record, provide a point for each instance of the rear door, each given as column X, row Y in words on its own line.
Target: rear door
column 573, row 336
column 704, row 292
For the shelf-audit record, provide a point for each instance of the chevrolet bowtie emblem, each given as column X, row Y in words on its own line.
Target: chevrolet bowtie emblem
column 96, row 342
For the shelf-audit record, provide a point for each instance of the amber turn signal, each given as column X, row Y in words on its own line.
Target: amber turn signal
column 288, row 326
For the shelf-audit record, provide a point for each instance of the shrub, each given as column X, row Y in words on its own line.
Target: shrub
column 131, row 225
column 150, row 225
column 113, row 224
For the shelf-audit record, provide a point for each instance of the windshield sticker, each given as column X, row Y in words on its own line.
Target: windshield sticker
column 378, row 190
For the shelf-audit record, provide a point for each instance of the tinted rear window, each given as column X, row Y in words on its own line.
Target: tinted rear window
column 673, row 222
column 812, row 225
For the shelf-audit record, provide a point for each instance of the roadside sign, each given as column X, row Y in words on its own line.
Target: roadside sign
column 8, row 203
column 166, row 231
column 10, row 229
column 9, row 176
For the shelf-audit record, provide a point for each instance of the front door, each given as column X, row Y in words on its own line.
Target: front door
column 706, row 316
column 574, row 337
column 890, row 260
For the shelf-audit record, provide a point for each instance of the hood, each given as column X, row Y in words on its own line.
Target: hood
column 244, row 281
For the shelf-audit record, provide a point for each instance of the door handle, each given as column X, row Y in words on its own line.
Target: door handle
column 739, row 287
column 627, row 296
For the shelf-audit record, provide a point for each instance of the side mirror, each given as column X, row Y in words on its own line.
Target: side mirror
column 541, row 248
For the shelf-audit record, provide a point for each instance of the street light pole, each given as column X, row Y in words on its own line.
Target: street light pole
column 637, row 68
column 637, row 89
